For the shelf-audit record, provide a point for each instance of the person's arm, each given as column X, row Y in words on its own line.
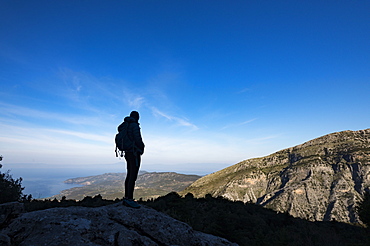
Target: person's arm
column 137, row 137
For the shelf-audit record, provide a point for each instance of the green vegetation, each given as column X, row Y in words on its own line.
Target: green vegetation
column 273, row 169
column 11, row 189
column 250, row 224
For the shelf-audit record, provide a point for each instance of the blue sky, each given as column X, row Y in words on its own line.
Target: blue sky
column 215, row 82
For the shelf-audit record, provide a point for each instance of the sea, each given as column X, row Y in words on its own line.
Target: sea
column 45, row 182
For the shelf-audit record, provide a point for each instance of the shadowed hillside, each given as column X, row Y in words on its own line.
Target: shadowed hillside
column 96, row 221
column 250, row 224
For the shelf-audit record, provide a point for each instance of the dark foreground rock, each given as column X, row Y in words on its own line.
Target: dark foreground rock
column 108, row 225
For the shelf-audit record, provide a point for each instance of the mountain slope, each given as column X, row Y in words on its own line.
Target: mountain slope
column 320, row 180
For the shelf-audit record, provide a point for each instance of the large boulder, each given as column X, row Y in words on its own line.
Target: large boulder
column 109, row 225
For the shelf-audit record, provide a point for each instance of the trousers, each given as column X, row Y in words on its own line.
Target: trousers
column 133, row 165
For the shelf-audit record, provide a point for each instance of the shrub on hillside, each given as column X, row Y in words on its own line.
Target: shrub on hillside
column 10, row 189
column 88, row 201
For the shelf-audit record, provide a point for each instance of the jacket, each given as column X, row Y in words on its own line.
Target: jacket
column 133, row 131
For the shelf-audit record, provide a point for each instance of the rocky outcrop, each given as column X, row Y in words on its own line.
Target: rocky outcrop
column 109, row 225
column 320, row 180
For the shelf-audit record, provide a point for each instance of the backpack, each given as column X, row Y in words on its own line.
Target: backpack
column 123, row 141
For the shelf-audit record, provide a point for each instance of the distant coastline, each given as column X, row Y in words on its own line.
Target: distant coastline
column 43, row 188
column 47, row 182
column 43, row 180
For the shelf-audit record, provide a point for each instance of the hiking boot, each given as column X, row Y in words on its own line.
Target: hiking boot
column 130, row 203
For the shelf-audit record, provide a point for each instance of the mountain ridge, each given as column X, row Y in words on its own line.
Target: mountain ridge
column 319, row 180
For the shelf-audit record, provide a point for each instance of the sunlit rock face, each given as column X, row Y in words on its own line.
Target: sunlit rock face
column 322, row 179
column 109, row 225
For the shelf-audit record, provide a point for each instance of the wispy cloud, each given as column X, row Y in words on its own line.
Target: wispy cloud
column 238, row 124
column 133, row 100
column 84, row 136
column 177, row 120
column 9, row 110
column 82, row 130
column 101, row 94
column 243, row 91
column 24, row 143
column 190, row 149
column 50, row 136
column 262, row 139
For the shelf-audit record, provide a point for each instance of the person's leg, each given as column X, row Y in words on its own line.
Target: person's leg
column 133, row 165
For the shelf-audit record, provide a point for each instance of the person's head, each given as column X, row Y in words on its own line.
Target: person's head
column 135, row 115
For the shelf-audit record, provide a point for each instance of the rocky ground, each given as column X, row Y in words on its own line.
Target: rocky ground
column 107, row 225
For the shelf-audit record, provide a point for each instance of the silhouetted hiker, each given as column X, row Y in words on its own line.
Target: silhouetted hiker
column 132, row 156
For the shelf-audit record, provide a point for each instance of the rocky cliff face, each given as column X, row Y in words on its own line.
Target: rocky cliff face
column 109, row 225
column 320, row 180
